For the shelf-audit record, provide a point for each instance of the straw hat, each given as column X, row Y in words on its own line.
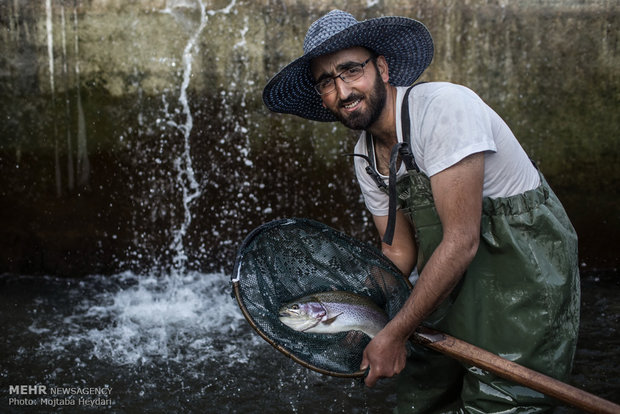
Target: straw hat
column 406, row 44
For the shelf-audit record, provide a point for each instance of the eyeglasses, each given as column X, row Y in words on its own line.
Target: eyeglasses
column 353, row 73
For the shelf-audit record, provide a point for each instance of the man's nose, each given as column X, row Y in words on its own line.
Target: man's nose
column 342, row 88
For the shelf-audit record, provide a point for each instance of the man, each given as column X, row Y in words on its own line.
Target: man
column 494, row 249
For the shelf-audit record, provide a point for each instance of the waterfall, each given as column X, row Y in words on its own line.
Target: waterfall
column 183, row 163
column 186, row 178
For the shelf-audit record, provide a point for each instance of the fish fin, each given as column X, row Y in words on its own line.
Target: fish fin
column 370, row 334
column 331, row 320
column 307, row 325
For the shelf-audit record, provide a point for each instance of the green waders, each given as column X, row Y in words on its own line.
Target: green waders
column 519, row 299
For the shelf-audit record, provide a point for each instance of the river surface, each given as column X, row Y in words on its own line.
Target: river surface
column 161, row 343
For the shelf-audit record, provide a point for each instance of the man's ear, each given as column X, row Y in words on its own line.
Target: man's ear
column 382, row 66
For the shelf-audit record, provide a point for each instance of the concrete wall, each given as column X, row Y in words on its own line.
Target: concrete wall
column 94, row 102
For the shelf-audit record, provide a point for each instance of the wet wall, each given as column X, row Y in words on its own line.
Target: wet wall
column 133, row 135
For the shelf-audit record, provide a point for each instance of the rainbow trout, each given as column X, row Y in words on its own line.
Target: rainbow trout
column 332, row 312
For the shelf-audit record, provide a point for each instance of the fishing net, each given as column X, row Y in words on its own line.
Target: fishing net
column 287, row 259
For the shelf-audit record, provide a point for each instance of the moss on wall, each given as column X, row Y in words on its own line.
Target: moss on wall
column 91, row 117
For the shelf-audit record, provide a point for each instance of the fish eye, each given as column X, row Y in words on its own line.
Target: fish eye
column 295, row 307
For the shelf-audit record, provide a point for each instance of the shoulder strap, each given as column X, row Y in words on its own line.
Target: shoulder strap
column 405, row 118
column 404, row 150
column 371, row 151
column 371, row 170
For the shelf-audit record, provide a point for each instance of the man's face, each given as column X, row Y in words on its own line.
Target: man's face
column 357, row 104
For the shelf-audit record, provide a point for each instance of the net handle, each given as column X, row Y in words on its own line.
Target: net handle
column 248, row 317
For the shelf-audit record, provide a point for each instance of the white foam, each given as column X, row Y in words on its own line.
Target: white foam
column 190, row 317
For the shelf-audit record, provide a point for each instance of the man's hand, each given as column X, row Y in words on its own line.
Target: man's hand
column 386, row 355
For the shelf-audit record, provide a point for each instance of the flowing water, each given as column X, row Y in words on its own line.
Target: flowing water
column 155, row 348
column 154, row 344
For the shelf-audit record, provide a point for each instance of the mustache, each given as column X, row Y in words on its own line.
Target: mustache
column 351, row 98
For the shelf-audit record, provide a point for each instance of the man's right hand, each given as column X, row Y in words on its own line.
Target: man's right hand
column 386, row 355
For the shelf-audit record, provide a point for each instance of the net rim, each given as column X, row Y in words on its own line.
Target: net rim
column 237, row 288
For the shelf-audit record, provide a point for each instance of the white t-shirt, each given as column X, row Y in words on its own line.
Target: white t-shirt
column 448, row 123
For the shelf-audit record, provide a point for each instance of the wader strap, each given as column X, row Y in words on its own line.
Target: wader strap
column 372, row 160
column 404, row 150
column 371, row 168
column 374, row 174
column 388, row 237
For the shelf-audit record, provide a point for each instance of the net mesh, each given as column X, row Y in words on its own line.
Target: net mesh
column 286, row 259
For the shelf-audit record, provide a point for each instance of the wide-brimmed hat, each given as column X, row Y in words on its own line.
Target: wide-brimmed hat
column 406, row 44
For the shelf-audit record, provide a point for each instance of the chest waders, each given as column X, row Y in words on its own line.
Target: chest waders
column 519, row 297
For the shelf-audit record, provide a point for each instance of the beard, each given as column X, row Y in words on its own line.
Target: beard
column 361, row 120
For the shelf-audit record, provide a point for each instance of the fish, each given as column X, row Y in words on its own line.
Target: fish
column 333, row 312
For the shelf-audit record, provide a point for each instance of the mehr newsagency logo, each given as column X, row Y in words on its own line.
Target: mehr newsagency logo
column 43, row 396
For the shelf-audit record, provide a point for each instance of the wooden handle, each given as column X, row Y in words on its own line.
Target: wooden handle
column 509, row 370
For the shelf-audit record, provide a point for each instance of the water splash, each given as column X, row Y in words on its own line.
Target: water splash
column 145, row 320
column 109, row 332
column 142, row 323
column 186, row 177
column 185, row 174
column 164, row 318
column 244, row 77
